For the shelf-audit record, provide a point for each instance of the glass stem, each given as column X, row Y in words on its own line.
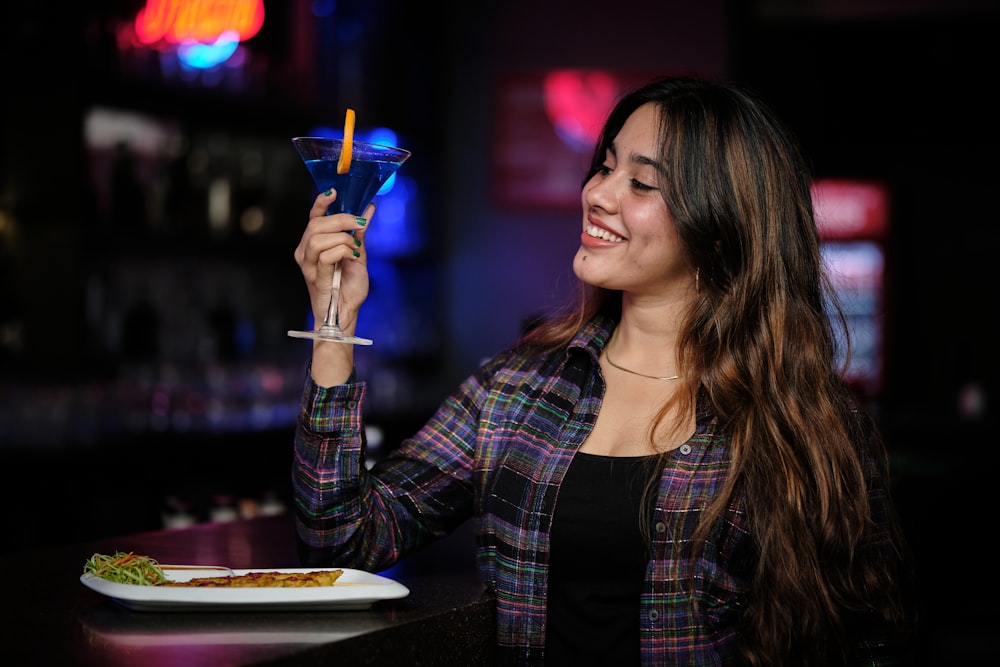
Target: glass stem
column 332, row 319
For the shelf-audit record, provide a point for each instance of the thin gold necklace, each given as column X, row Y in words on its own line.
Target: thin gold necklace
column 607, row 355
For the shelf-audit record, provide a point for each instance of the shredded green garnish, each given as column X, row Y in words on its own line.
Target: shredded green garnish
column 125, row 568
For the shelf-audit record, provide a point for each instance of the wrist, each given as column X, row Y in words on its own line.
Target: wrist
column 332, row 363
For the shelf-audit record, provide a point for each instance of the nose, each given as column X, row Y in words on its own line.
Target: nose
column 599, row 192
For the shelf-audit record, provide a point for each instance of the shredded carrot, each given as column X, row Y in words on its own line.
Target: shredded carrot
column 125, row 568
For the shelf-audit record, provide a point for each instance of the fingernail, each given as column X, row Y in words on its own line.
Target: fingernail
column 328, row 192
column 356, row 253
column 357, row 242
column 361, row 221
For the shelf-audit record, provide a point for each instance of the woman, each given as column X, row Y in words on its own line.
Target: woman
column 672, row 472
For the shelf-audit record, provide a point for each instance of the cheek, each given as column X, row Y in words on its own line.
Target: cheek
column 648, row 222
column 653, row 231
column 648, row 216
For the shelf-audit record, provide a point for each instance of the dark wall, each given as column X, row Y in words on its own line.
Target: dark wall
column 899, row 95
column 895, row 91
column 905, row 102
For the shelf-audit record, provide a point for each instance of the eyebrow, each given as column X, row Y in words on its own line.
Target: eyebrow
column 637, row 159
column 647, row 161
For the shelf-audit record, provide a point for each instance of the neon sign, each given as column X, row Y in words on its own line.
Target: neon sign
column 848, row 209
column 198, row 21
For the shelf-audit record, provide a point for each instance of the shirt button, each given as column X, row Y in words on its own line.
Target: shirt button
column 685, row 449
column 654, row 615
column 351, row 405
column 661, row 527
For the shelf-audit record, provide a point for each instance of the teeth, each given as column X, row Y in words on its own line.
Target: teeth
column 598, row 233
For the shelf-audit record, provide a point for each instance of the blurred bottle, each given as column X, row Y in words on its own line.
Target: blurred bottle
column 178, row 513
column 223, row 508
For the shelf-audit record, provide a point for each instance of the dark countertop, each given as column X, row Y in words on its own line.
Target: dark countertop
column 51, row 618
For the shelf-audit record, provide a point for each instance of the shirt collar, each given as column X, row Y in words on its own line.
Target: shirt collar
column 593, row 336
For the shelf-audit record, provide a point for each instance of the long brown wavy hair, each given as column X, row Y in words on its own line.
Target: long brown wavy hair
column 761, row 343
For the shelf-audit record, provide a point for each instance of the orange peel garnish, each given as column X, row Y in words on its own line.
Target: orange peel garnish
column 344, row 162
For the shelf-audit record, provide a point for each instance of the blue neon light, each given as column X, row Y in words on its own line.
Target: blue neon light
column 206, row 56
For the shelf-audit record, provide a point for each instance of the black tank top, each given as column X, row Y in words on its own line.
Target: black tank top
column 597, row 563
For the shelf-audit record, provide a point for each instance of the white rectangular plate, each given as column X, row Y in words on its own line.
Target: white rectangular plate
column 355, row 589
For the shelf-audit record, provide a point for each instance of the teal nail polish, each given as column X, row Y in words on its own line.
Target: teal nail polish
column 328, row 192
column 356, row 253
column 357, row 242
column 361, row 221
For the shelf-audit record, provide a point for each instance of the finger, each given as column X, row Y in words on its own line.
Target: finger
column 362, row 227
column 322, row 203
column 316, row 249
column 325, row 231
column 333, row 254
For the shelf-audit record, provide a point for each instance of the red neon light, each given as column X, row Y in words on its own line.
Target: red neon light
column 847, row 209
column 577, row 102
column 202, row 21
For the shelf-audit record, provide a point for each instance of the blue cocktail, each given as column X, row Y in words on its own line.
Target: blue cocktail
column 371, row 165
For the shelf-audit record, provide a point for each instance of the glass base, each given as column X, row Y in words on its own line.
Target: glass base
column 331, row 334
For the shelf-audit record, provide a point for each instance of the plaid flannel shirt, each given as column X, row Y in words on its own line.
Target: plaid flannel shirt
column 498, row 449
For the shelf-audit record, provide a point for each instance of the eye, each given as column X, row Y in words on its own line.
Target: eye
column 604, row 170
column 642, row 187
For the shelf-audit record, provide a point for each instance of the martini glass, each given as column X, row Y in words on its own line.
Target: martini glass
column 371, row 166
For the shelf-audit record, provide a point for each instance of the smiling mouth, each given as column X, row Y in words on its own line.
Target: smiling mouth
column 598, row 233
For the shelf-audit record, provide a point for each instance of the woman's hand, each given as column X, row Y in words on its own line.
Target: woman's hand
column 329, row 239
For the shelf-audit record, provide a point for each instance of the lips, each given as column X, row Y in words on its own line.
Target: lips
column 595, row 237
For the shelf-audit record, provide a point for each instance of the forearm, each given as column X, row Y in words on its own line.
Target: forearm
column 354, row 517
column 328, row 463
column 332, row 363
column 344, row 517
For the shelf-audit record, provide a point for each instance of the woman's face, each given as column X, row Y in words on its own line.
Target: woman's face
column 629, row 239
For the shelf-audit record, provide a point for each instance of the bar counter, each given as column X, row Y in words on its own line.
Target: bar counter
column 51, row 618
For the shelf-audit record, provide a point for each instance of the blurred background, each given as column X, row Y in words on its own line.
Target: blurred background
column 150, row 202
